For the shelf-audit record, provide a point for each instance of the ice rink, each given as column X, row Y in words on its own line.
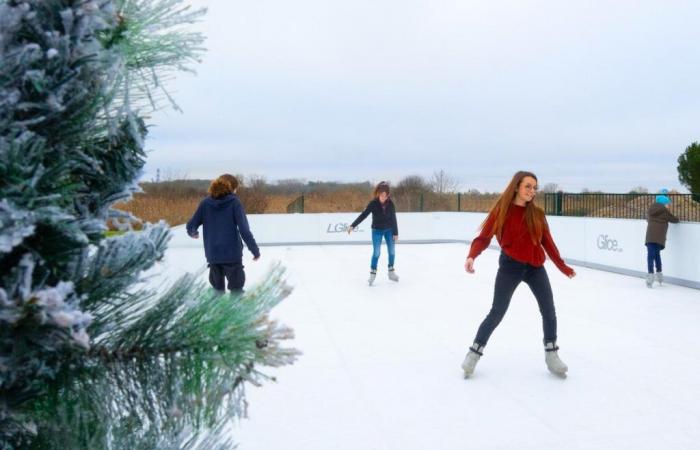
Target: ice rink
column 381, row 365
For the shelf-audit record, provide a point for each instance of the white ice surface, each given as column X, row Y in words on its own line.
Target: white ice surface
column 381, row 365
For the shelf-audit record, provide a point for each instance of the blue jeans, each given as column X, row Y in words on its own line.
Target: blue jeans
column 377, row 236
column 653, row 256
column 510, row 274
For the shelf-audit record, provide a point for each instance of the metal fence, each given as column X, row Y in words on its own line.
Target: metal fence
column 296, row 206
column 432, row 201
column 621, row 206
column 410, row 202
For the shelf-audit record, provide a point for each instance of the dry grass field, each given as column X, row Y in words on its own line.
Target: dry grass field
column 177, row 209
column 176, row 206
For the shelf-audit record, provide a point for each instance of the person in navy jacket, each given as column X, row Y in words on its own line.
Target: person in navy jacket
column 383, row 226
column 224, row 223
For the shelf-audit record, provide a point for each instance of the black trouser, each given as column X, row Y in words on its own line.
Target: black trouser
column 510, row 274
column 233, row 272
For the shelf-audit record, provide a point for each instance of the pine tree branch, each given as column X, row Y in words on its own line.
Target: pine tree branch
column 91, row 354
column 193, row 381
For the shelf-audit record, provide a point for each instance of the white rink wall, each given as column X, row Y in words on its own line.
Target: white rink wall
column 615, row 245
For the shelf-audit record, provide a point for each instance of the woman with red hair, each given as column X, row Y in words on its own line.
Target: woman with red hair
column 523, row 234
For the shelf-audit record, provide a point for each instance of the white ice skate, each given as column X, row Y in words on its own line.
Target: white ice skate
column 554, row 363
column 473, row 356
column 392, row 274
column 650, row 280
column 372, row 276
column 659, row 277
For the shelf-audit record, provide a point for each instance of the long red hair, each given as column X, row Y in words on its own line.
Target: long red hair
column 534, row 215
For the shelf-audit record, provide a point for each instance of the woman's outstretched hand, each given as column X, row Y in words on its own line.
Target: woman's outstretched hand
column 572, row 274
column 350, row 228
column 469, row 265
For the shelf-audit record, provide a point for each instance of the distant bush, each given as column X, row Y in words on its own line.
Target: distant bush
column 176, row 188
column 407, row 192
column 689, row 169
column 254, row 202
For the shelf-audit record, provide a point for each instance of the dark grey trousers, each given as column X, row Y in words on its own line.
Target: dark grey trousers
column 231, row 272
column 510, row 274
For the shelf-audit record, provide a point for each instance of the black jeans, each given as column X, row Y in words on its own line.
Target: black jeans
column 233, row 272
column 510, row 274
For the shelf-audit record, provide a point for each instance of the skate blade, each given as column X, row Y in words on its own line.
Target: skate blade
column 558, row 374
column 465, row 373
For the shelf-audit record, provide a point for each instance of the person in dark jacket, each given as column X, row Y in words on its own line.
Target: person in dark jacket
column 224, row 223
column 658, row 217
column 383, row 226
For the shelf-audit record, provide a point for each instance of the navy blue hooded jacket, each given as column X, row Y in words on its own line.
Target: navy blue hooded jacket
column 224, row 222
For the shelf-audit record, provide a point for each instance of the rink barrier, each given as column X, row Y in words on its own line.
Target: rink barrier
column 613, row 245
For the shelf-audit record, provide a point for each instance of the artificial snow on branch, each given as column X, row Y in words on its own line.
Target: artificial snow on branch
column 93, row 354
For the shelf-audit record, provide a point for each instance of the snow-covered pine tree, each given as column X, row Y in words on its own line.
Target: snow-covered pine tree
column 91, row 356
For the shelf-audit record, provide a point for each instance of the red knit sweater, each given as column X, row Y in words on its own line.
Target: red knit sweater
column 516, row 241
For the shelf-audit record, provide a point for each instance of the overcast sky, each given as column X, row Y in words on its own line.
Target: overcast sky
column 587, row 94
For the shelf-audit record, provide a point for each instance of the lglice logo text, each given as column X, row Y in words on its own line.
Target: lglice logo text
column 341, row 228
column 607, row 243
